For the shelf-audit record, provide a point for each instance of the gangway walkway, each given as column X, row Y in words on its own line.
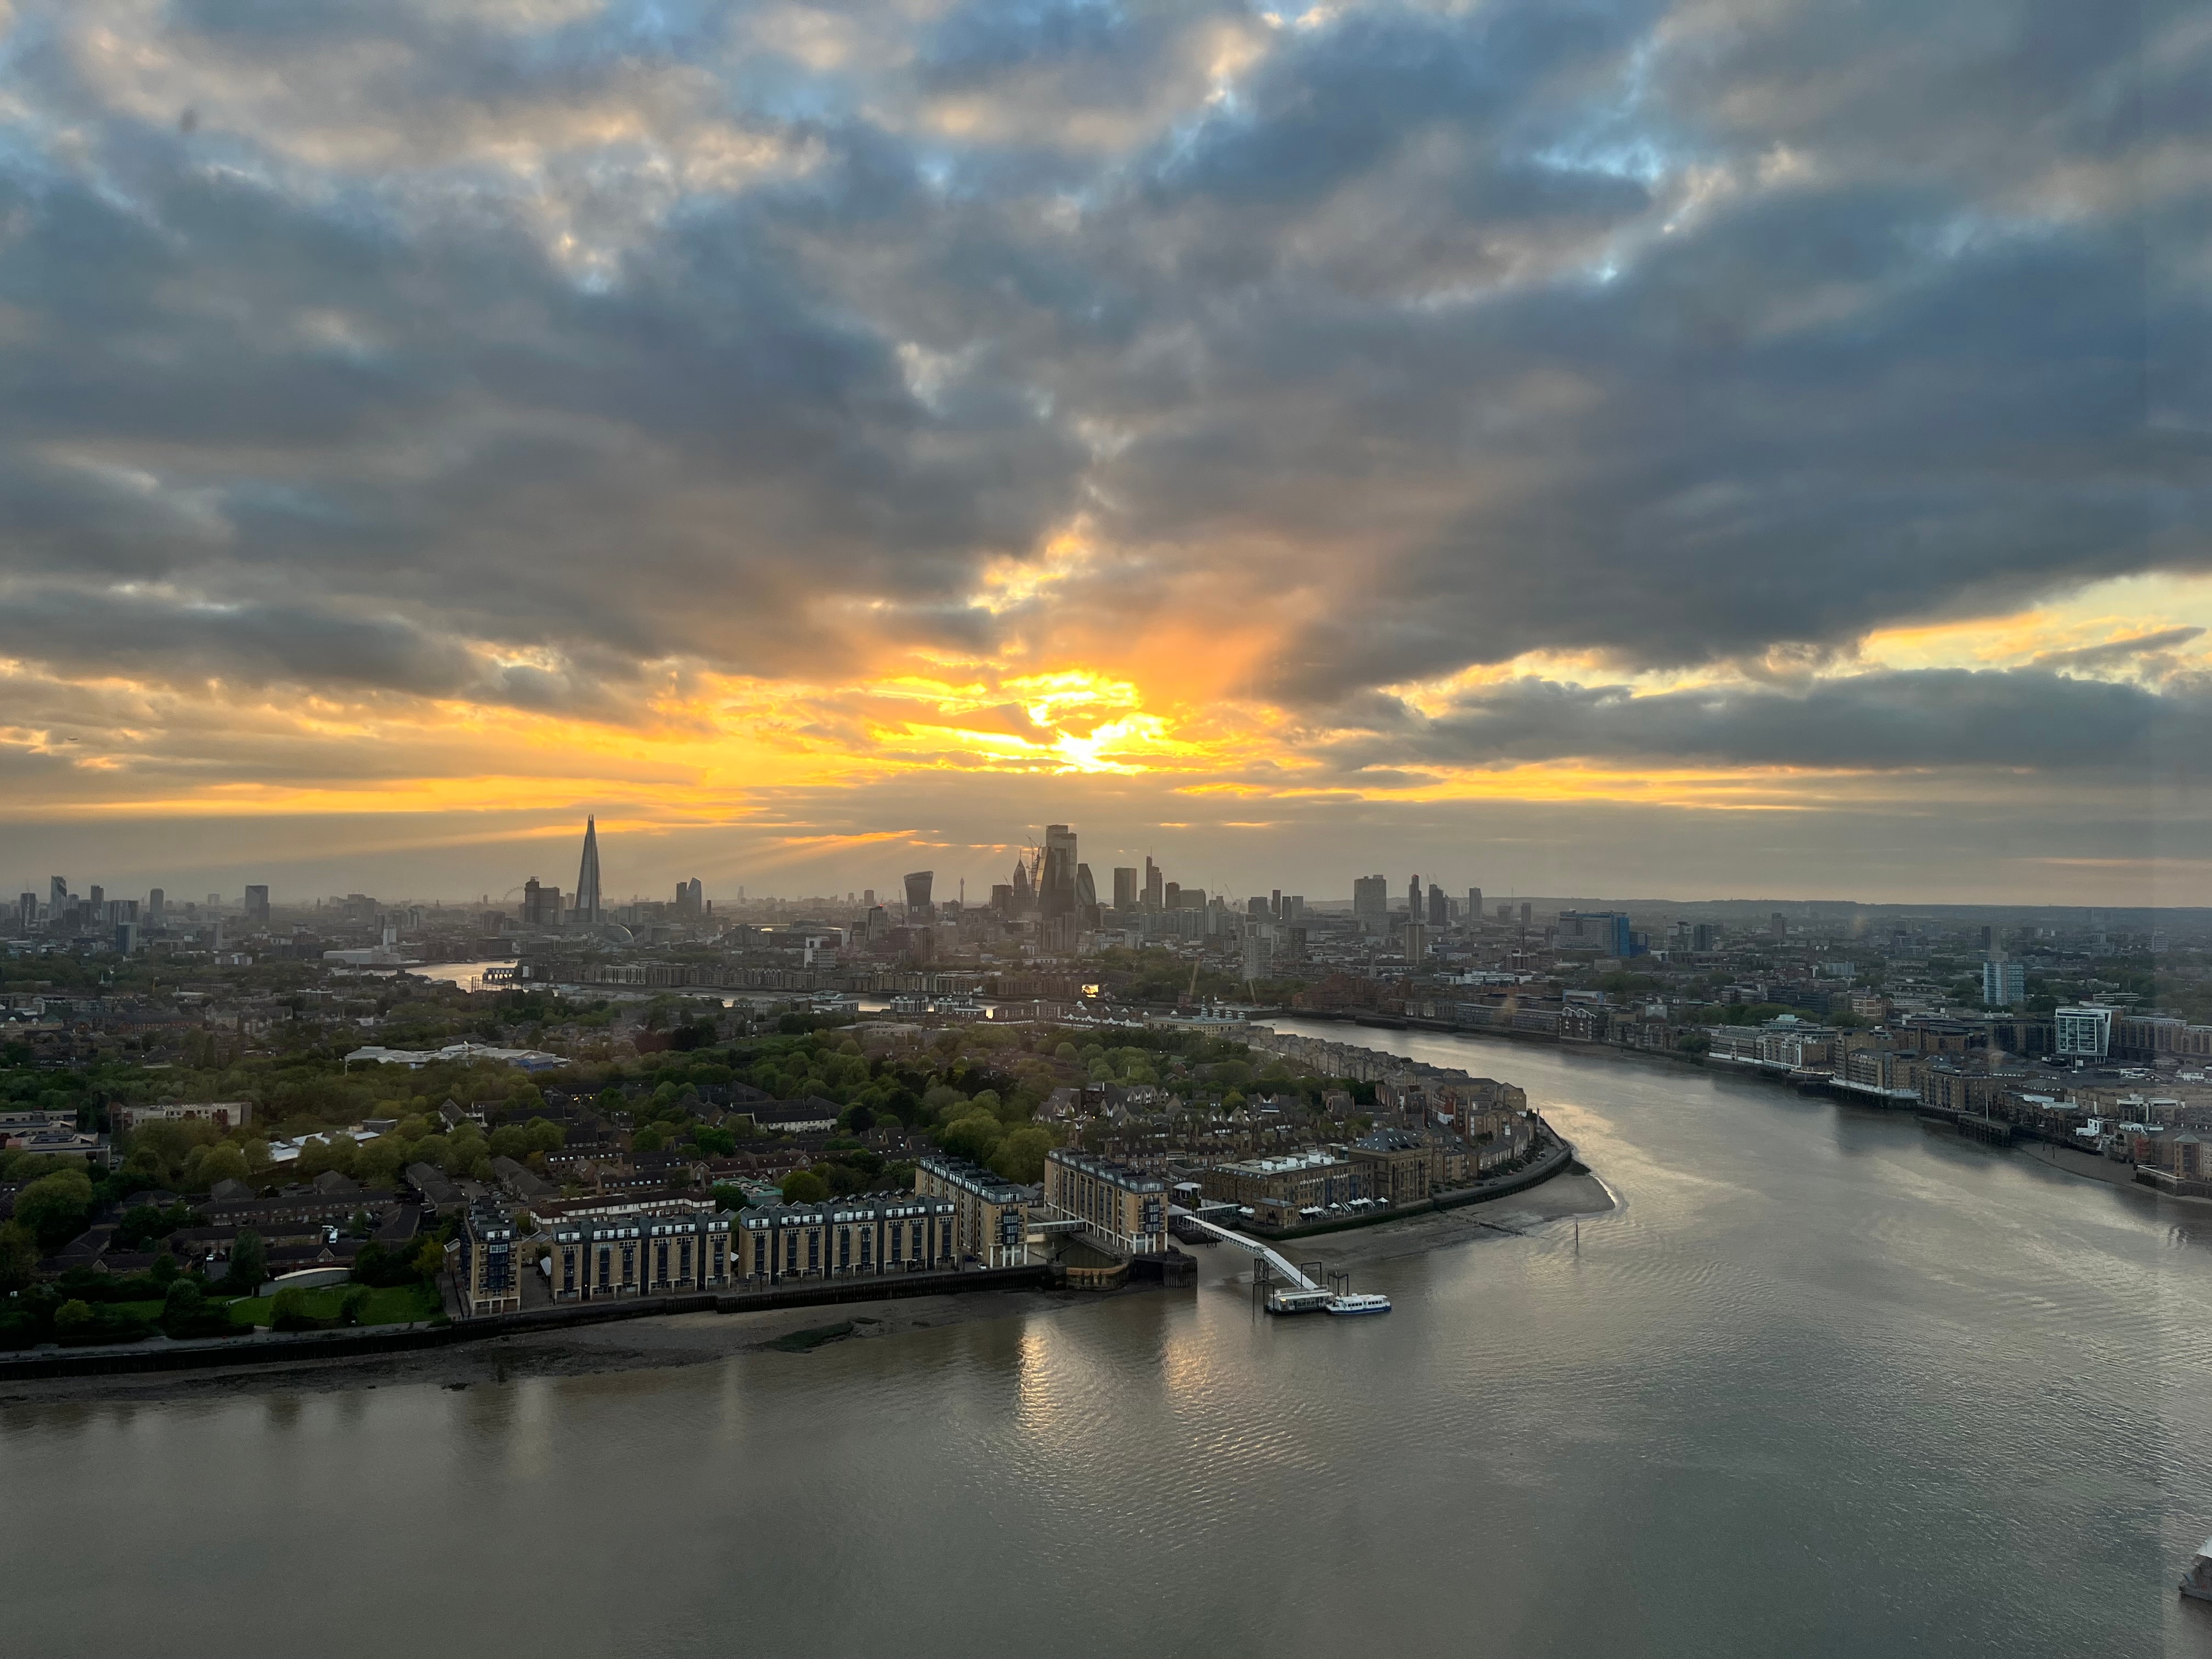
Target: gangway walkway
column 1302, row 1295
column 1275, row 1258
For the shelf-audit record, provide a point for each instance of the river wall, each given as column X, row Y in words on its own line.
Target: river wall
column 1560, row 1159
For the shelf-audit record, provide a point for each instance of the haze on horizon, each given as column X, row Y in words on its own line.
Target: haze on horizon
column 1718, row 448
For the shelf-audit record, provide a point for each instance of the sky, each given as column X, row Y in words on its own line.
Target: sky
column 1675, row 448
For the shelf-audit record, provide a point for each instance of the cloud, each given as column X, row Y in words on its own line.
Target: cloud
column 2023, row 721
column 2114, row 652
column 564, row 359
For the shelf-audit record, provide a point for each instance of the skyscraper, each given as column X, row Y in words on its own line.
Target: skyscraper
column 918, row 884
column 1125, row 887
column 58, row 894
column 587, row 876
column 156, row 903
column 1413, row 900
column 1057, row 891
column 1155, row 885
column 1370, row 898
column 257, row 907
column 1439, row 909
column 1474, row 907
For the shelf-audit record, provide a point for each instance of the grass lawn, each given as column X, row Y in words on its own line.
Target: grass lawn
column 143, row 1309
column 399, row 1305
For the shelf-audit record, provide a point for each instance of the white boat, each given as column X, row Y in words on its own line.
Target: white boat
column 1357, row 1302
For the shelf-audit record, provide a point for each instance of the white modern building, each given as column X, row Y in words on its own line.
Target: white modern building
column 2082, row 1032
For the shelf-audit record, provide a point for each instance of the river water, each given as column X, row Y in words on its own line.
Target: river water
column 1824, row 1384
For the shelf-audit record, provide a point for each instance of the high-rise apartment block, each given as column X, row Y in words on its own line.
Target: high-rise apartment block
column 2004, row 983
column 1370, row 899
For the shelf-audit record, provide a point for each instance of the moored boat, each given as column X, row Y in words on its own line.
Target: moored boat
column 1362, row 1303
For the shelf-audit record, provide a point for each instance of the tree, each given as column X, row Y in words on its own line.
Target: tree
column 972, row 1138
column 430, row 1259
column 804, row 1187
column 289, row 1312
column 249, row 1263
column 74, row 1318
column 647, row 1139
column 184, row 1313
column 19, row 1255
column 56, row 1207
column 1020, row 1156
column 208, row 1164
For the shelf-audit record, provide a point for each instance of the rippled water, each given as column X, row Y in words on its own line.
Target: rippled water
column 1826, row 1384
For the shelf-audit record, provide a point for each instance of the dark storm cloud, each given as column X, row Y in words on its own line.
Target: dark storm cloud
column 1929, row 720
column 1673, row 332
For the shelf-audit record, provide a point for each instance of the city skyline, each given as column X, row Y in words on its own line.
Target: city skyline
column 1656, row 456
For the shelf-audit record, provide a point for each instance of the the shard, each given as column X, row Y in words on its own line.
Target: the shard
column 588, row 876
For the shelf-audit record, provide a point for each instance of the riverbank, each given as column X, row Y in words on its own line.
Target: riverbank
column 2088, row 1166
column 646, row 1341
column 1562, row 1198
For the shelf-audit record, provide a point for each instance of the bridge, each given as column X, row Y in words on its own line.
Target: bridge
column 1302, row 1295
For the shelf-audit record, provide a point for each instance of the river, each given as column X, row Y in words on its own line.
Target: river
column 1823, row 1384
